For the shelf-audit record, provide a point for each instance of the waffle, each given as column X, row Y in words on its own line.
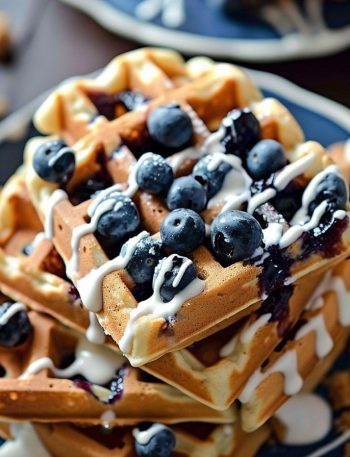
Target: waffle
column 221, row 283
column 36, row 387
column 215, row 370
column 192, row 440
column 317, row 340
column 129, row 81
column 197, row 370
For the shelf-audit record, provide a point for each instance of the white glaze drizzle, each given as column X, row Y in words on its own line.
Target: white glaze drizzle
column 72, row 266
column 154, row 306
column 248, row 334
column 245, row 337
column 101, row 204
column 310, row 192
column 235, row 188
column 58, row 155
column 144, row 437
column 39, row 237
column 25, row 442
column 324, row 341
column 229, row 347
column 95, row 333
column 300, row 222
column 281, row 181
column 56, row 197
column 337, row 285
column 307, row 418
column 10, row 312
column 287, row 365
column 98, row 364
column 90, row 286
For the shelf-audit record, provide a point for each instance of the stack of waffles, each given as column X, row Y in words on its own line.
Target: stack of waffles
column 172, row 265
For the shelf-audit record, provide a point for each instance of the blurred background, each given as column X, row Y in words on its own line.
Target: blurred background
column 52, row 41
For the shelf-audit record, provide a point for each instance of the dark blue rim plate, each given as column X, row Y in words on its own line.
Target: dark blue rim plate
column 208, row 29
column 322, row 120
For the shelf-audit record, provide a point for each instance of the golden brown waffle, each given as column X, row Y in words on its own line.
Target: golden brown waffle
column 76, row 107
column 215, row 370
column 36, row 387
column 70, row 110
column 317, row 340
column 192, row 440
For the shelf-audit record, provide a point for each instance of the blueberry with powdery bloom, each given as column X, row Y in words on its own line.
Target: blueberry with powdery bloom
column 170, row 127
column 235, row 235
column 121, row 221
column 211, row 180
column 144, row 260
column 154, row 174
column 54, row 162
column 187, row 192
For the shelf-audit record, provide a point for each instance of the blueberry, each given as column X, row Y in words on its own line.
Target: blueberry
column 212, row 180
column 242, row 131
column 170, row 126
column 187, row 192
column 182, row 230
column 235, row 235
column 16, row 330
column 121, row 221
column 161, row 444
column 154, row 175
column 265, row 158
column 146, row 256
column 333, row 189
column 54, row 162
column 167, row 289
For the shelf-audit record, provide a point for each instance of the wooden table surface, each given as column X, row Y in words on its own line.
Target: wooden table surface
column 54, row 41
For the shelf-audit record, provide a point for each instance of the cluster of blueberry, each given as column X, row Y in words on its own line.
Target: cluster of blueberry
column 234, row 235
column 15, row 330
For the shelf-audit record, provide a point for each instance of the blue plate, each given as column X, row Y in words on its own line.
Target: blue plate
column 322, row 120
column 205, row 28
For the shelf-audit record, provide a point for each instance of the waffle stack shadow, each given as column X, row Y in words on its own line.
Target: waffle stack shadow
column 172, row 254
